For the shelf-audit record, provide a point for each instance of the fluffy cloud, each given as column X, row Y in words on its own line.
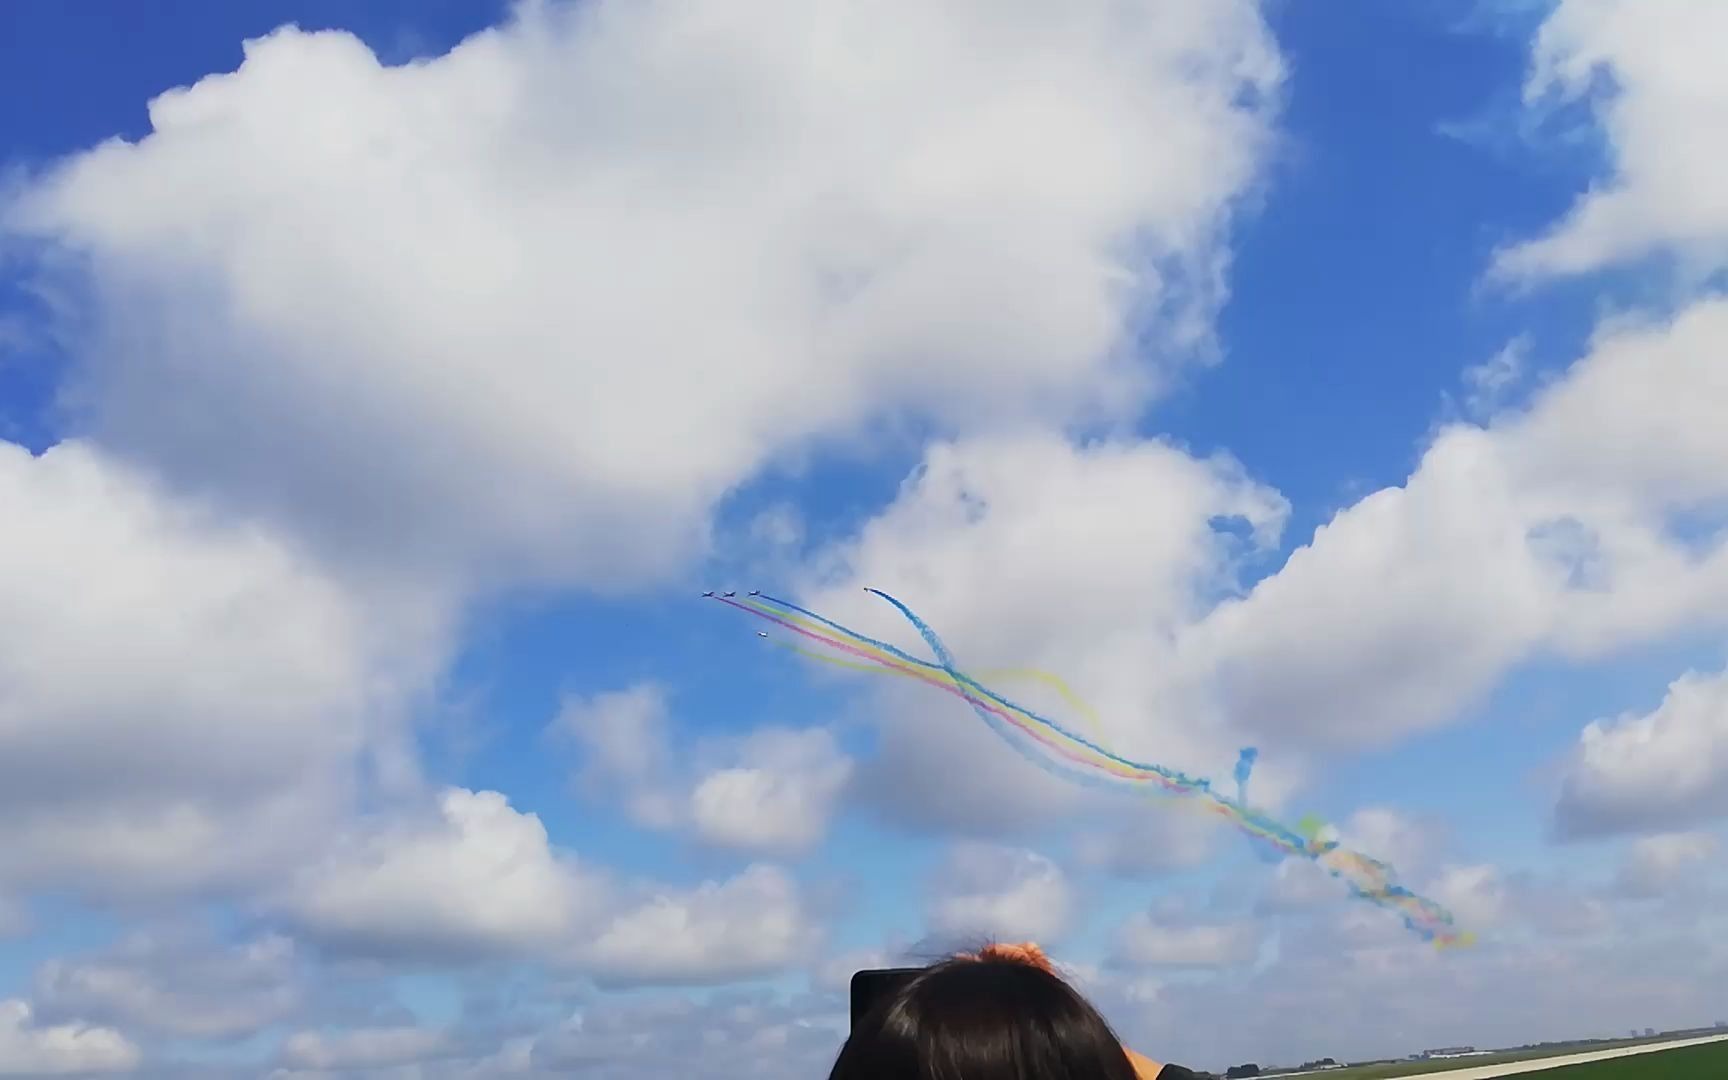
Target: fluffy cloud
column 183, row 698
column 619, row 1039
column 1379, row 990
column 1656, row 865
column 465, row 313
column 772, row 791
column 29, row 1049
column 1476, row 894
column 978, row 519
column 362, row 1048
column 778, row 798
column 1576, row 526
column 623, row 737
column 1390, row 836
column 479, row 879
column 1032, row 552
column 1000, row 893
column 1669, row 188
column 1667, row 768
column 1155, row 939
column 554, row 213
column 460, row 320
column 130, row 771
column 1402, row 608
column 753, row 924
column 1583, row 522
column 177, row 984
column 1296, row 885
column 1161, row 840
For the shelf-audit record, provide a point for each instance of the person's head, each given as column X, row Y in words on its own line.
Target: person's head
column 995, row 1016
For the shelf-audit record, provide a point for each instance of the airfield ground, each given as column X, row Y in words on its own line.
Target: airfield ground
column 1702, row 1062
column 1703, row 1058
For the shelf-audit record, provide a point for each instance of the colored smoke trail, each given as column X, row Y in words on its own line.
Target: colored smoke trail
column 1050, row 744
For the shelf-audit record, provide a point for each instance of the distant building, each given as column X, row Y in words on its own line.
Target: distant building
column 1649, row 1033
column 1449, row 1051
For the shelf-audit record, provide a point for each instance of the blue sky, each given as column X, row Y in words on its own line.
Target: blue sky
column 1340, row 379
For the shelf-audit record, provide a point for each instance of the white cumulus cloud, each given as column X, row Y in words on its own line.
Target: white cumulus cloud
column 178, row 984
column 530, row 308
column 364, row 1048
column 28, row 1049
column 771, row 791
column 1576, row 526
column 479, row 878
column 184, row 697
column 1149, row 939
column 626, row 753
column 1034, row 557
column 1000, row 893
column 753, row 924
column 1649, row 70
column 778, row 797
column 480, row 881
column 1664, row 769
column 1658, row 864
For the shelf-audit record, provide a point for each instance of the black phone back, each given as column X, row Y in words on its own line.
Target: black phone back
column 871, row 986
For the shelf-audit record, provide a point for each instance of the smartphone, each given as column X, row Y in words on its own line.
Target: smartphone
column 872, row 985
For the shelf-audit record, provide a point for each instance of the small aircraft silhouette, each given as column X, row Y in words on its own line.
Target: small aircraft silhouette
column 710, row 592
column 734, row 592
column 761, row 635
column 755, row 592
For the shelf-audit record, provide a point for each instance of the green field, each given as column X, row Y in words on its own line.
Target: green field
column 1707, row 1062
column 1634, row 1068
